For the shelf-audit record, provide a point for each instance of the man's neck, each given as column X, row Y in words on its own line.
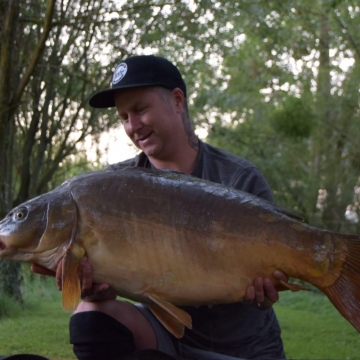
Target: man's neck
column 183, row 161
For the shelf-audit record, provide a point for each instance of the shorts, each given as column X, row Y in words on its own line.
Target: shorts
column 181, row 352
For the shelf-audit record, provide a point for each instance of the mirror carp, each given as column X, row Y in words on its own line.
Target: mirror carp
column 167, row 240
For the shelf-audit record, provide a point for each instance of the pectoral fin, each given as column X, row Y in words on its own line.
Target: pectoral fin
column 71, row 287
column 173, row 318
column 292, row 287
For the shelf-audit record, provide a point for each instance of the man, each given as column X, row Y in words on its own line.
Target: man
column 150, row 96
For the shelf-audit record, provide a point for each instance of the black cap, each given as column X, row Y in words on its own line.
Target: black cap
column 139, row 71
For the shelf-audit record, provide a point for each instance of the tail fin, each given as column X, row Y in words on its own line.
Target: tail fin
column 345, row 292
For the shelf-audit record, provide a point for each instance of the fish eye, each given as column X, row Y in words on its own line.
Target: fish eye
column 20, row 214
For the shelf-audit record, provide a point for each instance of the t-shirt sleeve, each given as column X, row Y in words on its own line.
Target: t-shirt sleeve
column 252, row 181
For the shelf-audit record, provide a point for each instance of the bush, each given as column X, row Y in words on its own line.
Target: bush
column 34, row 288
column 294, row 118
column 8, row 306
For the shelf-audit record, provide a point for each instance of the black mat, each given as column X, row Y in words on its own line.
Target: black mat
column 139, row 355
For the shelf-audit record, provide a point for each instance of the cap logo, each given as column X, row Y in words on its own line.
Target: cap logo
column 119, row 73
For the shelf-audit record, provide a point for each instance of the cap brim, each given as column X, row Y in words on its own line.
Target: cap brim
column 105, row 98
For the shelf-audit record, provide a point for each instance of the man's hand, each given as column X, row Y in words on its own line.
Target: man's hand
column 38, row 269
column 263, row 292
column 89, row 291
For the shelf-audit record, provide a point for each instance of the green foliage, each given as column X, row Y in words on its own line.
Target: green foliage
column 40, row 326
column 8, row 307
column 10, row 278
column 294, row 118
column 282, row 161
column 313, row 329
column 73, row 166
column 295, row 66
column 33, row 287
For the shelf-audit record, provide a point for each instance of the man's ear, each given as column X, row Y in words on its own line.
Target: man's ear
column 179, row 99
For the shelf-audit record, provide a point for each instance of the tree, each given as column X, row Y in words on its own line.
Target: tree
column 11, row 91
column 293, row 105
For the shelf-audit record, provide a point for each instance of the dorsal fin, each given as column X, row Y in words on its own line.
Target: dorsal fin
column 288, row 213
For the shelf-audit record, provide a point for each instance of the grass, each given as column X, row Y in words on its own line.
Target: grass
column 312, row 328
column 39, row 327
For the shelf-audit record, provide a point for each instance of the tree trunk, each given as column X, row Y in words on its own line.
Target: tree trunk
column 330, row 147
column 9, row 271
column 11, row 90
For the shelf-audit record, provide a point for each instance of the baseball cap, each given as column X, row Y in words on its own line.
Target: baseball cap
column 139, row 71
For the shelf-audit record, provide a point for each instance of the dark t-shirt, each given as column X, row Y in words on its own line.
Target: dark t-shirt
column 237, row 330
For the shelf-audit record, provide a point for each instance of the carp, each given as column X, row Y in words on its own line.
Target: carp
column 167, row 239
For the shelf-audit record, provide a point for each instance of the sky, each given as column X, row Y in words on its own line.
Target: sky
column 114, row 146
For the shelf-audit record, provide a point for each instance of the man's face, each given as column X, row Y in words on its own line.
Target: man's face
column 152, row 119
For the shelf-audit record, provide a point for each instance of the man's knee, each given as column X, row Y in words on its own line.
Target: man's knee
column 96, row 335
column 93, row 306
column 115, row 316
